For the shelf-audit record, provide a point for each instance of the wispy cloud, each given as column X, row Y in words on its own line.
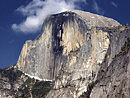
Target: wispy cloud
column 97, row 8
column 37, row 10
column 114, row 4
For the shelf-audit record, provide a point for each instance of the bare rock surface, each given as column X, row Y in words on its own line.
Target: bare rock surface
column 84, row 55
column 69, row 50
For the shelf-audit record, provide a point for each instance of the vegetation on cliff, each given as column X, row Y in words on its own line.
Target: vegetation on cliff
column 26, row 87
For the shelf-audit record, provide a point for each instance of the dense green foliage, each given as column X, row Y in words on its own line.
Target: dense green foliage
column 38, row 89
column 12, row 74
column 31, row 87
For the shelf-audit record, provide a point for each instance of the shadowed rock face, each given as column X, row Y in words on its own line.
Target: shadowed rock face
column 71, row 50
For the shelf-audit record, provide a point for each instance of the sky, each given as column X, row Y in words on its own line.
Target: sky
column 21, row 20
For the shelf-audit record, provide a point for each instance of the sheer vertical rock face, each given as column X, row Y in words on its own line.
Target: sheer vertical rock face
column 113, row 76
column 70, row 50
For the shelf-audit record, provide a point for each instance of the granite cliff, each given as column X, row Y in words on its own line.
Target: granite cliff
column 84, row 55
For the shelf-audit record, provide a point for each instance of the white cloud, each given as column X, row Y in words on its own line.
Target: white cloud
column 97, row 8
column 114, row 4
column 37, row 10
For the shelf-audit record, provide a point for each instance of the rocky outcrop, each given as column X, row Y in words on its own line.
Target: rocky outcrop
column 15, row 84
column 78, row 51
column 10, row 82
column 113, row 77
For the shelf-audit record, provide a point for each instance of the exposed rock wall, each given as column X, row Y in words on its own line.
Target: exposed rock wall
column 71, row 50
column 113, row 77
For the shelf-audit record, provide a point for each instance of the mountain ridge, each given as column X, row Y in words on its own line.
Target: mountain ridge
column 79, row 52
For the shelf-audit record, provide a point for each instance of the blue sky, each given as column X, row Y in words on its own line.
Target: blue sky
column 21, row 20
